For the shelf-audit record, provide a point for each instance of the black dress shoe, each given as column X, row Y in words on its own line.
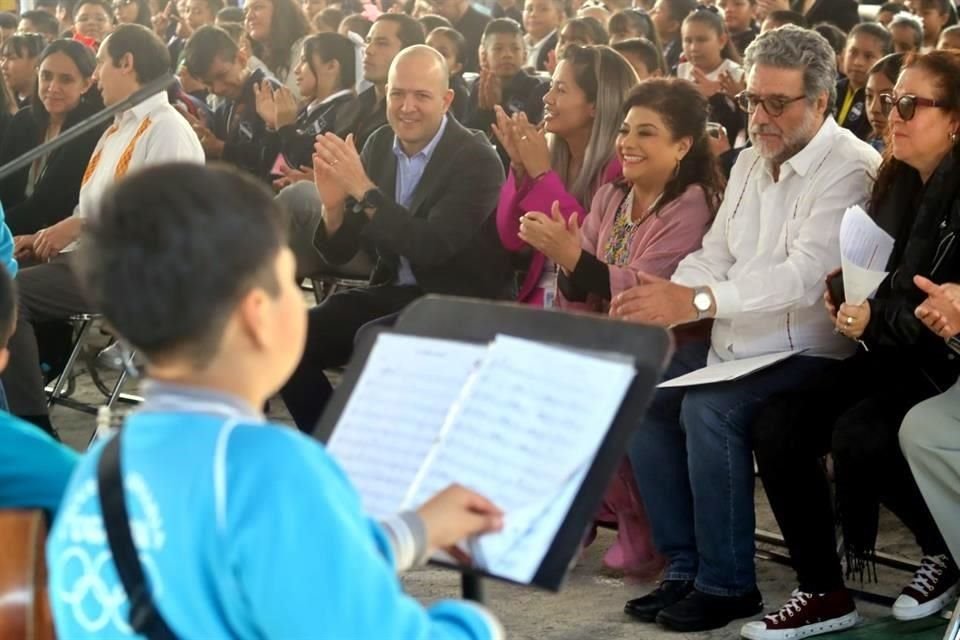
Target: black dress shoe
column 667, row 593
column 701, row 612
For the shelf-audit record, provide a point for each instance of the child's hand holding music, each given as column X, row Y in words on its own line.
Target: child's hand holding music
column 457, row 513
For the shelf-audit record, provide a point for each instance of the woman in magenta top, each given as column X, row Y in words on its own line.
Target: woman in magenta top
column 569, row 159
column 646, row 222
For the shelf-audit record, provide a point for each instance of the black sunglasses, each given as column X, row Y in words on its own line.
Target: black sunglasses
column 906, row 105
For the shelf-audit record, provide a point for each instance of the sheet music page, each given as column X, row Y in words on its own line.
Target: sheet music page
column 395, row 414
column 532, row 416
column 727, row 371
column 864, row 251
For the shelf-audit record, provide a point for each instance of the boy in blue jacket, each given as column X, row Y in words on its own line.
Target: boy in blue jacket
column 34, row 468
column 243, row 529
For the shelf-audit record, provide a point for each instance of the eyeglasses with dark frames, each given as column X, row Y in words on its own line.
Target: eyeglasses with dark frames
column 773, row 105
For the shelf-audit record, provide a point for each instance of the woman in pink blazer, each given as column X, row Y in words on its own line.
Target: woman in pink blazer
column 645, row 223
column 567, row 159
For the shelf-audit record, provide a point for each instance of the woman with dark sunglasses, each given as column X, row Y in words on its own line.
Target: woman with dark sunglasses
column 855, row 410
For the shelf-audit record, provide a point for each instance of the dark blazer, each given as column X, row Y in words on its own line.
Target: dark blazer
column 856, row 121
column 297, row 139
column 247, row 144
column 549, row 46
column 842, row 13
column 449, row 232
column 461, row 98
column 57, row 191
column 925, row 223
column 362, row 117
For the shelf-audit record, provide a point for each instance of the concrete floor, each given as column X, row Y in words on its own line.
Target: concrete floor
column 591, row 604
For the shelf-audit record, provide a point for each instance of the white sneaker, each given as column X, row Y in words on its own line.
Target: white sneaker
column 805, row 615
column 933, row 586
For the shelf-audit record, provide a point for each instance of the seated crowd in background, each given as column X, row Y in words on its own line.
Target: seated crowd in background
column 664, row 163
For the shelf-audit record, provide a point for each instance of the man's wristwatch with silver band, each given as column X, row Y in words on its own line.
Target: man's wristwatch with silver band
column 702, row 301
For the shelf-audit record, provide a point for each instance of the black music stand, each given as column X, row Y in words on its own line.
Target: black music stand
column 480, row 322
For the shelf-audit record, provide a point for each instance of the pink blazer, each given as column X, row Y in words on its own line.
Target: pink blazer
column 657, row 246
column 538, row 195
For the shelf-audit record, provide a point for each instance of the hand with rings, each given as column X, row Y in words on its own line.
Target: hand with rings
column 532, row 146
column 343, row 164
column 852, row 319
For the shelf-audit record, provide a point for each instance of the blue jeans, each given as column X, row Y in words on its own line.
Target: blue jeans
column 693, row 461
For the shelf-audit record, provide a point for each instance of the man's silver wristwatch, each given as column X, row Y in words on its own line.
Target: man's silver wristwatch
column 702, row 301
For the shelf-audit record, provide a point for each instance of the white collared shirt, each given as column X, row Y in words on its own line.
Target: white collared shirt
column 773, row 242
column 169, row 138
column 534, row 49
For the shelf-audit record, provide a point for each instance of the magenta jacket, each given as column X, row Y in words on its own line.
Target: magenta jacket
column 538, row 195
column 657, row 246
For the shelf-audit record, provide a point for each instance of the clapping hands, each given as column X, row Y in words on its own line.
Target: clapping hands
column 556, row 238
column 276, row 106
column 525, row 144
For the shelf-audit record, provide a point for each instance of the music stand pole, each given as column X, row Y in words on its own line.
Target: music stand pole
column 471, row 588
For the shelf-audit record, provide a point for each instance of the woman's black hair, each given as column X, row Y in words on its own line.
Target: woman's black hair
column 332, row 46
column 684, row 110
column 287, row 26
column 889, row 66
column 86, row 63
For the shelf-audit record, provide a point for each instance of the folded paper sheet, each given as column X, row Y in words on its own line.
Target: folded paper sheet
column 865, row 249
column 727, row 371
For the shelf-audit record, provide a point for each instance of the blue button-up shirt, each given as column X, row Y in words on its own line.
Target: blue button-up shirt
column 409, row 171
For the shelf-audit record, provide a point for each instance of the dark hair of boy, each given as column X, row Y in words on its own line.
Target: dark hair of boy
column 151, row 60
column 501, row 26
column 8, row 20
column 432, row 21
column 330, row 19
column 356, row 23
column 893, row 7
column 230, row 14
column 874, row 30
column 166, row 266
column 651, row 56
column 783, row 18
column 409, row 31
column 834, row 36
column 8, row 306
column 456, row 38
column 205, row 46
column 43, row 22
column 332, row 46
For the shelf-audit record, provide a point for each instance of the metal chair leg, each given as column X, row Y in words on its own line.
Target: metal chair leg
column 64, row 376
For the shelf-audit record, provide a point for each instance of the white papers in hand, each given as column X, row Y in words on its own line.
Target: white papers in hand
column 728, row 371
column 864, row 251
column 392, row 419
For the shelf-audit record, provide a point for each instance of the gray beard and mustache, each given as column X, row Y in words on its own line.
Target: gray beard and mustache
column 793, row 141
